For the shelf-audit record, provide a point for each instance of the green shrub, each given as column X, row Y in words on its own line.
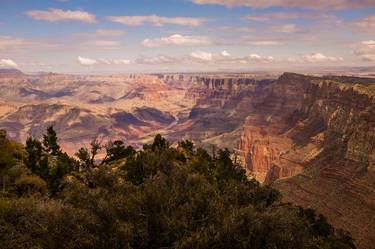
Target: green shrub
column 30, row 184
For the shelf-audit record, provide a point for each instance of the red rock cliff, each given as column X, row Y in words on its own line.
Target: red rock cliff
column 312, row 137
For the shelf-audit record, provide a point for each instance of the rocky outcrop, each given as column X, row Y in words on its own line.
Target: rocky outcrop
column 220, row 91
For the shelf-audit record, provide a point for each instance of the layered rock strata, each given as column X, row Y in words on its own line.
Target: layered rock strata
column 312, row 137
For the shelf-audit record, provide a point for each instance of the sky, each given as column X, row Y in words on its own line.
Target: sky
column 85, row 36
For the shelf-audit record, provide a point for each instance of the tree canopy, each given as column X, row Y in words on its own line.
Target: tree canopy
column 161, row 196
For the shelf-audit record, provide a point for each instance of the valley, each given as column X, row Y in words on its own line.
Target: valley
column 311, row 137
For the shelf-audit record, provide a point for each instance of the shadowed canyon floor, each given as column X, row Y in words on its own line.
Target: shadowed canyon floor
column 313, row 138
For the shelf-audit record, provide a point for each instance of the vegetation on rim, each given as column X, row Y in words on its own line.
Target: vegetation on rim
column 156, row 197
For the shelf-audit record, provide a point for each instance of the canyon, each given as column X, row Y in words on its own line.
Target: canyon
column 311, row 137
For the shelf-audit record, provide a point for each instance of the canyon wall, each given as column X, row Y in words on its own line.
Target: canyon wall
column 311, row 137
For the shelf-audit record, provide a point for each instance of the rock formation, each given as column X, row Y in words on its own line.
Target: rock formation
column 312, row 137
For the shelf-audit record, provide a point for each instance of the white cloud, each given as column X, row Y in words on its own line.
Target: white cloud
column 14, row 44
column 265, row 43
column 245, row 30
column 203, row 56
column 100, row 38
column 121, row 62
column 86, row 61
column 90, row 62
column 157, row 20
column 90, row 43
column 177, row 40
column 8, row 42
column 194, row 57
column 110, row 32
column 225, row 58
column 259, row 18
column 368, row 57
column 282, row 16
column 161, row 59
column 225, row 53
column 365, row 50
column 257, row 58
column 309, row 4
column 319, row 57
column 236, row 29
column 7, row 63
column 366, row 24
column 58, row 15
column 286, row 28
column 104, row 43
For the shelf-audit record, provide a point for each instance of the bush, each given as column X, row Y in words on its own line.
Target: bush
column 30, row 184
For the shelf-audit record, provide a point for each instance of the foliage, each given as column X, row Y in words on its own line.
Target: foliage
column 46, row 160
column 158, row 197
column 50, row 142
column 11, row 153
column 30, row 184
column 116, row 150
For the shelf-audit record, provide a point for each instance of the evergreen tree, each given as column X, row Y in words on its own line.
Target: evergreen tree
column 50, row 142
column 116, row 150
column 159, row 143
column 186, row 145
column 83, row 155
column 34, row 151
column 48, row 161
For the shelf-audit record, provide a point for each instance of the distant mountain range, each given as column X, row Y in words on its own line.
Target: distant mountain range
column 10, row 71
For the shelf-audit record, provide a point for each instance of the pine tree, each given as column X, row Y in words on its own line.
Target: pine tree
column 34, row 151
column 116, row 150
column 159, row 143
column 50, row 142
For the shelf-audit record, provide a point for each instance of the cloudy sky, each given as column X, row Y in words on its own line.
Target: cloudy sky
column 79, row 36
